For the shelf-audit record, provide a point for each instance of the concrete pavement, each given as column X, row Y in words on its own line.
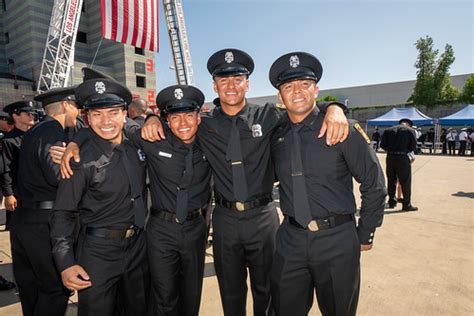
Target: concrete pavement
column 422, row 262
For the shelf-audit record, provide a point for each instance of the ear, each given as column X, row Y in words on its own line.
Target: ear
column 316, row 91
column 279, row 97
column 199, row 118
column 214, row 86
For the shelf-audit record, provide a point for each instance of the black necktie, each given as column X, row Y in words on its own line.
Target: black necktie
column 300, row 196
column 135, row 189
column 234, row 155
column 182, row 197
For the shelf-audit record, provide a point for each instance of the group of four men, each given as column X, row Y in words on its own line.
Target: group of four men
column 98, row 214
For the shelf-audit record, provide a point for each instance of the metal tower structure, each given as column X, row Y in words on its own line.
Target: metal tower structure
column 179, row 41
column 58, row 58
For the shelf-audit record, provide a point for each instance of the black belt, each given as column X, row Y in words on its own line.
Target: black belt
column 43, row 205
column 323, row 224
column 171, row 217
column 397, row 153
column 113, row 233
column 244, row 206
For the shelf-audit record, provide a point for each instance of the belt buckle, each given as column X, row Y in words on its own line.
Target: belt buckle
column 313, row 226
column 130, row 232
column 240, row 206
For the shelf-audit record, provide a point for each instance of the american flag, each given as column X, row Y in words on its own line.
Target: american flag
column 133, row 22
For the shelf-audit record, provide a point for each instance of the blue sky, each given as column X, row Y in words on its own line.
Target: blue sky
column 358, row 42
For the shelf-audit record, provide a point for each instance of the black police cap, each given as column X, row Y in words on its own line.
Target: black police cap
column 4, row 115
column 295, row 66
column 56, row 95
column 89, row 74
column 20, row 106
column 230, row 62
column 102, row 93
column 179, row 98
column 406, row 120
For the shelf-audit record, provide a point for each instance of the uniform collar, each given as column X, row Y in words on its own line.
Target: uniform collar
column 312, row 121
column 243, row 113
column 106, row 146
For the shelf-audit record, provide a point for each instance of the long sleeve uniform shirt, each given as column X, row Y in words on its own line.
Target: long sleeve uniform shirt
column 398, row 139
column 328, row 172
column 166, row 164
column 38, row 175
column 10, row 155
column 99, row 193
column 256, row 125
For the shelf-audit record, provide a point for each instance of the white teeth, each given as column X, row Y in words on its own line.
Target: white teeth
column 184, row 129
column 107, row 129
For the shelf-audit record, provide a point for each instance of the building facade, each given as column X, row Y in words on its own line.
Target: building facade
column 23, row 29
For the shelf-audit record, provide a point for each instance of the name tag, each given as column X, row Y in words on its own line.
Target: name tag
column 163, row 154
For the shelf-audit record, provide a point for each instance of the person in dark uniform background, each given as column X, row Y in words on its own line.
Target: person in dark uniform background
column 318, row 244
column 109, row 267
column 22, row 115
column 235, row 137
column 399, row 142
column 376, row 138
column 137, row 111
column 39, row 284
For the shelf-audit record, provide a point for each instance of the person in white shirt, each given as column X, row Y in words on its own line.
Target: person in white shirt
column 451, row 138
column 471, row 137
column 463, row 141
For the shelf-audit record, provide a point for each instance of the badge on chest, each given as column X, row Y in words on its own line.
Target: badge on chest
column 257, row 130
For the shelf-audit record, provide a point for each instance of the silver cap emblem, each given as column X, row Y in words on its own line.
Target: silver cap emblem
column 178, row 93
column 100, row 87
column 229, row 57
column 294, row 61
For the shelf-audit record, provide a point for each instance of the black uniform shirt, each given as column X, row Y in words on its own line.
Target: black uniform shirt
column 214, row 133
column 328, row 173
column 166, row 165
column 99, row 190
column 399, row 139
column 10, row 154
column 38, row 175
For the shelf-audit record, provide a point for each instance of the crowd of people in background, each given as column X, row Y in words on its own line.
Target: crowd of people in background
column 453, row 142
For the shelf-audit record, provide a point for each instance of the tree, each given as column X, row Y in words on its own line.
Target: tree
column 432, row 77
column 328, row 98
column 467, row 94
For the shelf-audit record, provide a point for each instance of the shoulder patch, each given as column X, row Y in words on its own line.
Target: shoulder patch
column 362, row 132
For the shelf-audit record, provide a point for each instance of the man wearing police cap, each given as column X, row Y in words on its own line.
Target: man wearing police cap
column 22, row 115
column 108, row 267
column 318, row 244
column 235, row 137
column 39, row 284
column 400, row 143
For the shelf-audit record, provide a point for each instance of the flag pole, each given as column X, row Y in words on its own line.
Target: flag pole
column 95, row 55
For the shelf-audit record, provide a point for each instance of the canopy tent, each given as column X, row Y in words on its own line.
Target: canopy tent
column 394, row 115
column 465, row 116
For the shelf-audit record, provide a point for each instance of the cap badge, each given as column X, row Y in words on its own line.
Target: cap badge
column 229, row 57
column 294, row 61
column 99, row 87
column 178, row 93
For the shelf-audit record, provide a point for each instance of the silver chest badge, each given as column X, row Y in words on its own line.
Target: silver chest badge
column 257, row 130
column 294, row 61
column 100, row 87
column 141, row 155
column 178, row 93
column 229, row 57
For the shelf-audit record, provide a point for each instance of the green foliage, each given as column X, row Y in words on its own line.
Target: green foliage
column 328, row 98
column 432, row 81
column 467, row 94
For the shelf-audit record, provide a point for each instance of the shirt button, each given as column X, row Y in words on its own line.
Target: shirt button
column 371, row 234
column 370, row 239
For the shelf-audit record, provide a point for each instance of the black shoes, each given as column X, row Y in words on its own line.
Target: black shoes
column 5, row 284
column 410, row 208
column 391, row 205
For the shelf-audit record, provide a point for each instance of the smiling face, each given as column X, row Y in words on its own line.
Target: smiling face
column 231, row 91
column 108, row 123
column 299, row 98
column 184, row 125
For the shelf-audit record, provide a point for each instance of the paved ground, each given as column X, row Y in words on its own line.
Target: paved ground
column 422, row 262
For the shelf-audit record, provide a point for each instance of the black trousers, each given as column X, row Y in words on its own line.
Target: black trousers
column 398, row 168
column 327, row 262
column 176, row 258
column 452, row 147
column 39, row 283
column 118, row 270
column 244, row 240
column 462, row 148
